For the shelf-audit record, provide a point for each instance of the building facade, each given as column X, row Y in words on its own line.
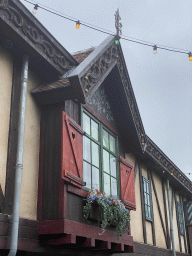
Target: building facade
column 83, row 130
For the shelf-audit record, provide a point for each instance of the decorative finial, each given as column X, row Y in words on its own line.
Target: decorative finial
column 118, row 24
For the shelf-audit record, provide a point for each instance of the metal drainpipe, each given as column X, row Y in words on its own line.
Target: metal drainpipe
column 19, row 158
column 171, row 220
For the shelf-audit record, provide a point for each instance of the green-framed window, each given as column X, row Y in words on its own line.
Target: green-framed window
column 180, row 218
column 147, row 199
column 100, row 156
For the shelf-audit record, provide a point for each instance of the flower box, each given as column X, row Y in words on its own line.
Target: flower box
column 107, row 211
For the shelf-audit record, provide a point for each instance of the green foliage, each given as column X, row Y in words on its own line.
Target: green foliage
column 111, row 210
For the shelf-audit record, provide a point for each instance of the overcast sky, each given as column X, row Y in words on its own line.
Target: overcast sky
column 162, row 82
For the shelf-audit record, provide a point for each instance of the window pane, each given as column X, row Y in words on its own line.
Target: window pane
column 114, row 186
column 94, row 129
column 87, row 174
column 95, row 154
column 113, row 165
column 112, row 143
column 146, row 210
column 107, row 184
column 105, row 139
column 95, row 178
column 105, row 161
column 86, row 149
column 144, row 186
column 86, row 123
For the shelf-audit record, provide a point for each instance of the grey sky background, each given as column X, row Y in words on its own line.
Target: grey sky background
column 162, row 82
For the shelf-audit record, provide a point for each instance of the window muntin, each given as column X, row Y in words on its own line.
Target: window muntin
column 147, row 199
column 180, row 218
column 99, row 156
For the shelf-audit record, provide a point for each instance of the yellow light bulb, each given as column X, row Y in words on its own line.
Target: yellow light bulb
column 78, row 24
column 155, row 49
column 190, row 58
column 35, row 8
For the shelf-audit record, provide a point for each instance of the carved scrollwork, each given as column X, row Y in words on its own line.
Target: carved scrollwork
column 160, row 158
column 34, row 35
column 130, row 96
column 91, row 77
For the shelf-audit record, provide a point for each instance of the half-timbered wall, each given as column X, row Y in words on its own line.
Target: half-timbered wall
column 155, row 233
column 6, row 70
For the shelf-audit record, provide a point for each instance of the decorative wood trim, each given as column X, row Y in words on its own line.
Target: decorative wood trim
column 159, row 209
column 160, row 158
column 142, row 204
column 166, row 216
column 178, row 226
column 152, row 222
column 31, row 31
column 97, row 72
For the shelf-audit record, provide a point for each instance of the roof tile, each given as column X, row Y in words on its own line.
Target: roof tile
column 79, row 56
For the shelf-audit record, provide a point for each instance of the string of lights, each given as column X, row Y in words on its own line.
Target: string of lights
column 124, row 37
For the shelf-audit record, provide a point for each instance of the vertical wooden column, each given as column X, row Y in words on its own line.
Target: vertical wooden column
column 142, row 204
column 166, row 217
column 152, row 223
column 185, row 243
column 178, row 226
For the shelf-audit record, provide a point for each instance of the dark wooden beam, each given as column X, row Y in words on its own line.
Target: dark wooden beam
column 172, row 199
column 185, row 243
column 166, row 217
column 142, row 204
column 152, row 223
column 178, row 226
column 2, row 200
column 159, row 209
column 13, row 135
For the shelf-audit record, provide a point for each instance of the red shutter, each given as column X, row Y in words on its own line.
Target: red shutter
column 127, row 184
column 72, row 151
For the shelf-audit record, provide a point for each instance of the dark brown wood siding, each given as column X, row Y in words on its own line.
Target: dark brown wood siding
column 51, row 118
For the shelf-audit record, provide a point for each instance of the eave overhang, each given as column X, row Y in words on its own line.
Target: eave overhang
column 166, row 168
column 32, row 38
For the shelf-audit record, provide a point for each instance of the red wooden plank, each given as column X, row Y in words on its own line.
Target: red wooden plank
column 3, row 229
column 67, row 239
column 77, row 191
column 127, row 184
column 51, row 227
column 89, row 242
column 104, row 244
column 118, row 247
column 66, row 226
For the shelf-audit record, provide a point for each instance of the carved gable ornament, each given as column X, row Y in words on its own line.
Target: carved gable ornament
column 34, row 33
column 89, row 75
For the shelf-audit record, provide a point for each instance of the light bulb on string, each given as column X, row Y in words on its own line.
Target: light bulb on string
column 116, row 42
column 35, row 8
column 154, row 49
column 190, row 56
column 78, row 24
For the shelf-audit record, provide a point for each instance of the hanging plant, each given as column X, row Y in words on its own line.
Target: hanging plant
column 110, row 211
